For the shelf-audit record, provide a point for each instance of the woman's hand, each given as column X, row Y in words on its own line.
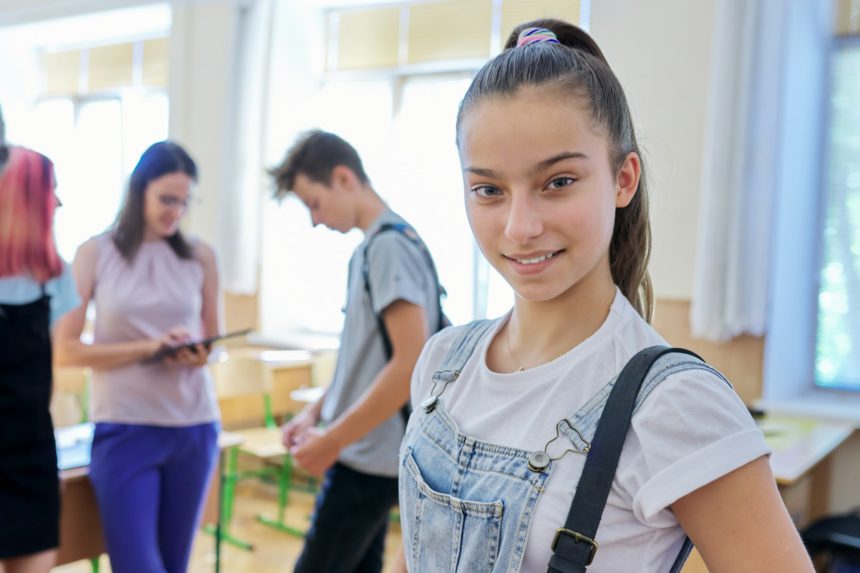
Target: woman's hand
column 195, row 356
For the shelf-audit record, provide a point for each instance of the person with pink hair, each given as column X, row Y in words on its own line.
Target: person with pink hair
column 36, row 288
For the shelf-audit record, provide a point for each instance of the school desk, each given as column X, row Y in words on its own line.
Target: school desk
column 284, row 370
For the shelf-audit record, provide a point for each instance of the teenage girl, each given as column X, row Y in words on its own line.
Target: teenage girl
column 505, row 410
column 156, row 431
column 36, row 288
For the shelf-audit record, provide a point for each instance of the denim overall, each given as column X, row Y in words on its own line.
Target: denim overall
column 467, row 505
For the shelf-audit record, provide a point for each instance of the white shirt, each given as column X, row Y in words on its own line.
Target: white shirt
column 691, row 430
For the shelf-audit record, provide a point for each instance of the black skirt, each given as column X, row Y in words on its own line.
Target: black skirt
column 29, row 483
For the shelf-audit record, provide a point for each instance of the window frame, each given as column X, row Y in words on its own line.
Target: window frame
column 837, row 45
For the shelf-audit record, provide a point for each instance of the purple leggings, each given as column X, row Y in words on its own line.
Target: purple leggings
column 150, row 483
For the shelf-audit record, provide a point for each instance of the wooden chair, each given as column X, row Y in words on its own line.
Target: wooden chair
column 244, row 383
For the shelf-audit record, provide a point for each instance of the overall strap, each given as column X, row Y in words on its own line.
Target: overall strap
column 458, row 354
column 574, row 546
column 468, row 337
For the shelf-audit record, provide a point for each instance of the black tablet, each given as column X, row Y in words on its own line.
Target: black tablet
column 166, row 351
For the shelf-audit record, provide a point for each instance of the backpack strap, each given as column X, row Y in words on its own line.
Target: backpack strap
column 410, row 234
column 574, row 546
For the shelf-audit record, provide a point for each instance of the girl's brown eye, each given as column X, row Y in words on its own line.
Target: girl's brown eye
column 486, row 191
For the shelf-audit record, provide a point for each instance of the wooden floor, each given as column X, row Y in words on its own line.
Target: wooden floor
column 274, row 551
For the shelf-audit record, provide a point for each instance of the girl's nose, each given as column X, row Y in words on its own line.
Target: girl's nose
column 524, row 219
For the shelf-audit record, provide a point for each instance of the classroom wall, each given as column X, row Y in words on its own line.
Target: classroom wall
column 661, row 50
column 202, row 98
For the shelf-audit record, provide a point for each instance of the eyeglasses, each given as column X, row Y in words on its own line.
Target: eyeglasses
column 171, row 202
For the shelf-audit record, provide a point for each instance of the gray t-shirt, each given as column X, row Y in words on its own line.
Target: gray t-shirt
column 398, row 271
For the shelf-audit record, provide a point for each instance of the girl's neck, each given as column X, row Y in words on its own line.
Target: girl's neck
column 150, row 236
column 539, row 332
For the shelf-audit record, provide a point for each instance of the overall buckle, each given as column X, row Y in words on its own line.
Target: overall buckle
column 577, row 538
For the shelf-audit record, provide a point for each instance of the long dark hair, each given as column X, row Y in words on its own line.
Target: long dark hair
column 162, row 158
column 576, row 66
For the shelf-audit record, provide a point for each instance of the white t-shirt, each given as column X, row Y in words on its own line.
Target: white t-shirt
column 691, row 430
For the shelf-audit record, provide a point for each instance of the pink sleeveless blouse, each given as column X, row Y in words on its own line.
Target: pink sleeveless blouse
column 140, row 299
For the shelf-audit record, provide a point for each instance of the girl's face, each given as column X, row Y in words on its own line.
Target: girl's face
column 540, row 192
column 165, row 201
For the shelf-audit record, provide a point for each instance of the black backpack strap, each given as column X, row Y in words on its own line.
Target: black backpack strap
column 410, row 234
column 574, row 546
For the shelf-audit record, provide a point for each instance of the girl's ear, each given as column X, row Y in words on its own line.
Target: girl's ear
column 627, row 180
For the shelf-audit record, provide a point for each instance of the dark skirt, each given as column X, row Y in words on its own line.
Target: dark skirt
column 29, row 483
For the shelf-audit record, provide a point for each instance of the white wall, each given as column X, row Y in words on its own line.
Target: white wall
column 202, row 67
column 661, row 51
column 19, row 85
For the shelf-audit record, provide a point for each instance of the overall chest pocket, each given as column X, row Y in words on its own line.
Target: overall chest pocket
column 447, row 534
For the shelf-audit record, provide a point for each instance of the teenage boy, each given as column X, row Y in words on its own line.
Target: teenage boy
column 392, row 307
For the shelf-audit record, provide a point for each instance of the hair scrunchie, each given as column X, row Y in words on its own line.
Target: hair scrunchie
column 536, row 36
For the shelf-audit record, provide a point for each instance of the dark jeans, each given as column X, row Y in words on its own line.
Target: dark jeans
column 350, row 520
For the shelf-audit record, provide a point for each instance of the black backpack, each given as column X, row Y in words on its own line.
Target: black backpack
column 442, row 321
column 834, row 542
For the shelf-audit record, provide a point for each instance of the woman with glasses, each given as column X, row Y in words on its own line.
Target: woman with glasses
column 156, row 418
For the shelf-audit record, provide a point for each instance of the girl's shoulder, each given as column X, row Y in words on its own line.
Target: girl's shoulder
column 458, row 340
column 471, row 331
column 90, row 254
column 202, row 251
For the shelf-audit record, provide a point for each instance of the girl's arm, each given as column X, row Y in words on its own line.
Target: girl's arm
column 212, row 300
column 68, row 348
column 739, row 523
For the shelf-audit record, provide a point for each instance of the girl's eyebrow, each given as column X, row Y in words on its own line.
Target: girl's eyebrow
column 482, row 172
column 547, row 163
column 540, row 166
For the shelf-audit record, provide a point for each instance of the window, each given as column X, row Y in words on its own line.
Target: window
column 837, row 363
column 94, row 143
column 391, row 85
column 90, row 92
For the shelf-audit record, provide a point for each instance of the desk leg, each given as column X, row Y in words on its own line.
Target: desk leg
column 228, row 478
column 819, row 494
column 220, row 512
column 285, row 476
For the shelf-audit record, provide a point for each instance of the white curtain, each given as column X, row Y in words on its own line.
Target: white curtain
column 740, row 175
